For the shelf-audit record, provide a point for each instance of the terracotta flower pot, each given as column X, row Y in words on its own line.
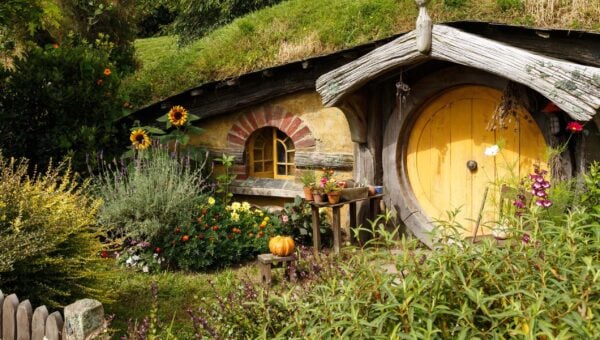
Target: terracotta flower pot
column 308, row 195
column 318, row 197
column 333, row 197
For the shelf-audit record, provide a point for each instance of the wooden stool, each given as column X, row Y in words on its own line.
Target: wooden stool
column 265, row 261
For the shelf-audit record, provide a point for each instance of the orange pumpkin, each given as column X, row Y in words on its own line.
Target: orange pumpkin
column 281, row 245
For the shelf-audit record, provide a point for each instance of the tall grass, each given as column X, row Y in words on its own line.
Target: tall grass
column 297, row 29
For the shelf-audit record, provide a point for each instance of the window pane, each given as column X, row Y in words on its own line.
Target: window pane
column 258, row 155
column 291, row 169
column 290, row 155
column 281, row 169
column 258, row 167
column 268, row 167
column 280, row 152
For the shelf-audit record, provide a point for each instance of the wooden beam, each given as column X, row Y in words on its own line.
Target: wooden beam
column 574, row 88
column 337, row 84
column 337, row 161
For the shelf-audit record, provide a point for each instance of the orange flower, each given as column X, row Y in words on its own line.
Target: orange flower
column 185, row 238
column 107, row 72
column 260, row 234
column 55, row 45
column 215, row 228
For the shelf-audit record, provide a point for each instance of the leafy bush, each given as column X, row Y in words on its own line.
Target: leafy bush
column 60, row 101
column 47, row 234
column 296, row 220
column 543, row 283
column 220, row 236
column 154, row 194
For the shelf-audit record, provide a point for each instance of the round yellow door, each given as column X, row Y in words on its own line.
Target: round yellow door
column 447, row 163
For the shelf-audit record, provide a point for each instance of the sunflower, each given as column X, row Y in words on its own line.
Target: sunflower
column 140, row 139
column 178, row 115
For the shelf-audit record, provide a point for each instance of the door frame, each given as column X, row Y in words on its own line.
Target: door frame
column 397, row 133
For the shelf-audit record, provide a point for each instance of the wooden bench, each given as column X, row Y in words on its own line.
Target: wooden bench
column 265, row 261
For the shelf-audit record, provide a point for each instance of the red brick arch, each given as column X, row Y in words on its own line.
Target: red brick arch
column 269, row 115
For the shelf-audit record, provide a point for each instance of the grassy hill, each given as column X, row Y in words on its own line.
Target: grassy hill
column 296, row 29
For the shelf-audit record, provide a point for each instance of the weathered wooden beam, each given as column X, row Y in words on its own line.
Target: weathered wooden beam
column 335, row 85
column 574, row 88
column 337, row 161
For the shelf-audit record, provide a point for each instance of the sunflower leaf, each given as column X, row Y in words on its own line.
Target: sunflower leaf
column 163, row 118
column 192, row 117
column 153, row 130
column 194, row 130
column 128, row 154
column 184, row 139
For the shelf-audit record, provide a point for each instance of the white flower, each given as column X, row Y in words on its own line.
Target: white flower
column 245, row 206
column 145, row 269
column 235, row 217
column 135, row 258
column 129, row 261
column 492, row 150
column 235, row 206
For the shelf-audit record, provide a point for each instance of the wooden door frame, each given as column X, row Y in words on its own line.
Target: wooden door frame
column 397, row 133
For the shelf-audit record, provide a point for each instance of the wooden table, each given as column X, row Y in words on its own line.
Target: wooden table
column 373, row 211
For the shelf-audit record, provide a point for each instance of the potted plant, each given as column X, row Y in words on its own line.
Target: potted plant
column 332, row 189
column 308, row 179
column 317, row 192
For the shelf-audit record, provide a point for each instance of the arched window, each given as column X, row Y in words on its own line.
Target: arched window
column 271, row 154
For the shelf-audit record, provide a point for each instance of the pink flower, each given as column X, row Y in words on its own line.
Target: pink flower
column 285, row 218
column 526, row 238
column 574, row 127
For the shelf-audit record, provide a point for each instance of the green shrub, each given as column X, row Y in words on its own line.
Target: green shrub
column 47, row 234
column 221, row 235
column 154, row 194
column 59, row 101
column 543, row 283
column 296, row 221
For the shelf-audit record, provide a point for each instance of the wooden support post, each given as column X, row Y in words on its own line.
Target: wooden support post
column 336, row 230
column 1, row 304
column 315, row 229
column 265, row 262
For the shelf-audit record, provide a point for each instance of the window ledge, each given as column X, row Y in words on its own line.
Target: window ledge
column 266, row 187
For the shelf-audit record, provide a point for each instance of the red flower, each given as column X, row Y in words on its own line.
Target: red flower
column 104, row 254
column 177, row 230
column 99, row 82
column 55, row 45
column 157, row 250
column 215, row 228
column 526, row 238
column 185, row 238
column 574, row 127
column 200, row 237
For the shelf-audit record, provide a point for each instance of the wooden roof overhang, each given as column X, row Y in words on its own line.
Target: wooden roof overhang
column 574, row 87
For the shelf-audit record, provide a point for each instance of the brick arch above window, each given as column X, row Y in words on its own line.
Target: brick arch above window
column 276, row 116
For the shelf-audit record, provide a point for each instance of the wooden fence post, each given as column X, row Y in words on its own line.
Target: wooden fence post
column 38, row 323
column 54, row 326
column 1, row 304
column 24, row 312
column 9, row 317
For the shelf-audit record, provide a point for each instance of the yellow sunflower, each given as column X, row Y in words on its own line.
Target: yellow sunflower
column 178, row 115
column 140, row 139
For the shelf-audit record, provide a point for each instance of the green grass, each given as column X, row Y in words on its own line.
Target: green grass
column 298, row 29
column 177, row 291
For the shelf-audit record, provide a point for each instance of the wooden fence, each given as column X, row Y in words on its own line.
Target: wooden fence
column 18, row 320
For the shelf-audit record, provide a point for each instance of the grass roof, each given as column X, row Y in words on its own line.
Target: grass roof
column 297, row 29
